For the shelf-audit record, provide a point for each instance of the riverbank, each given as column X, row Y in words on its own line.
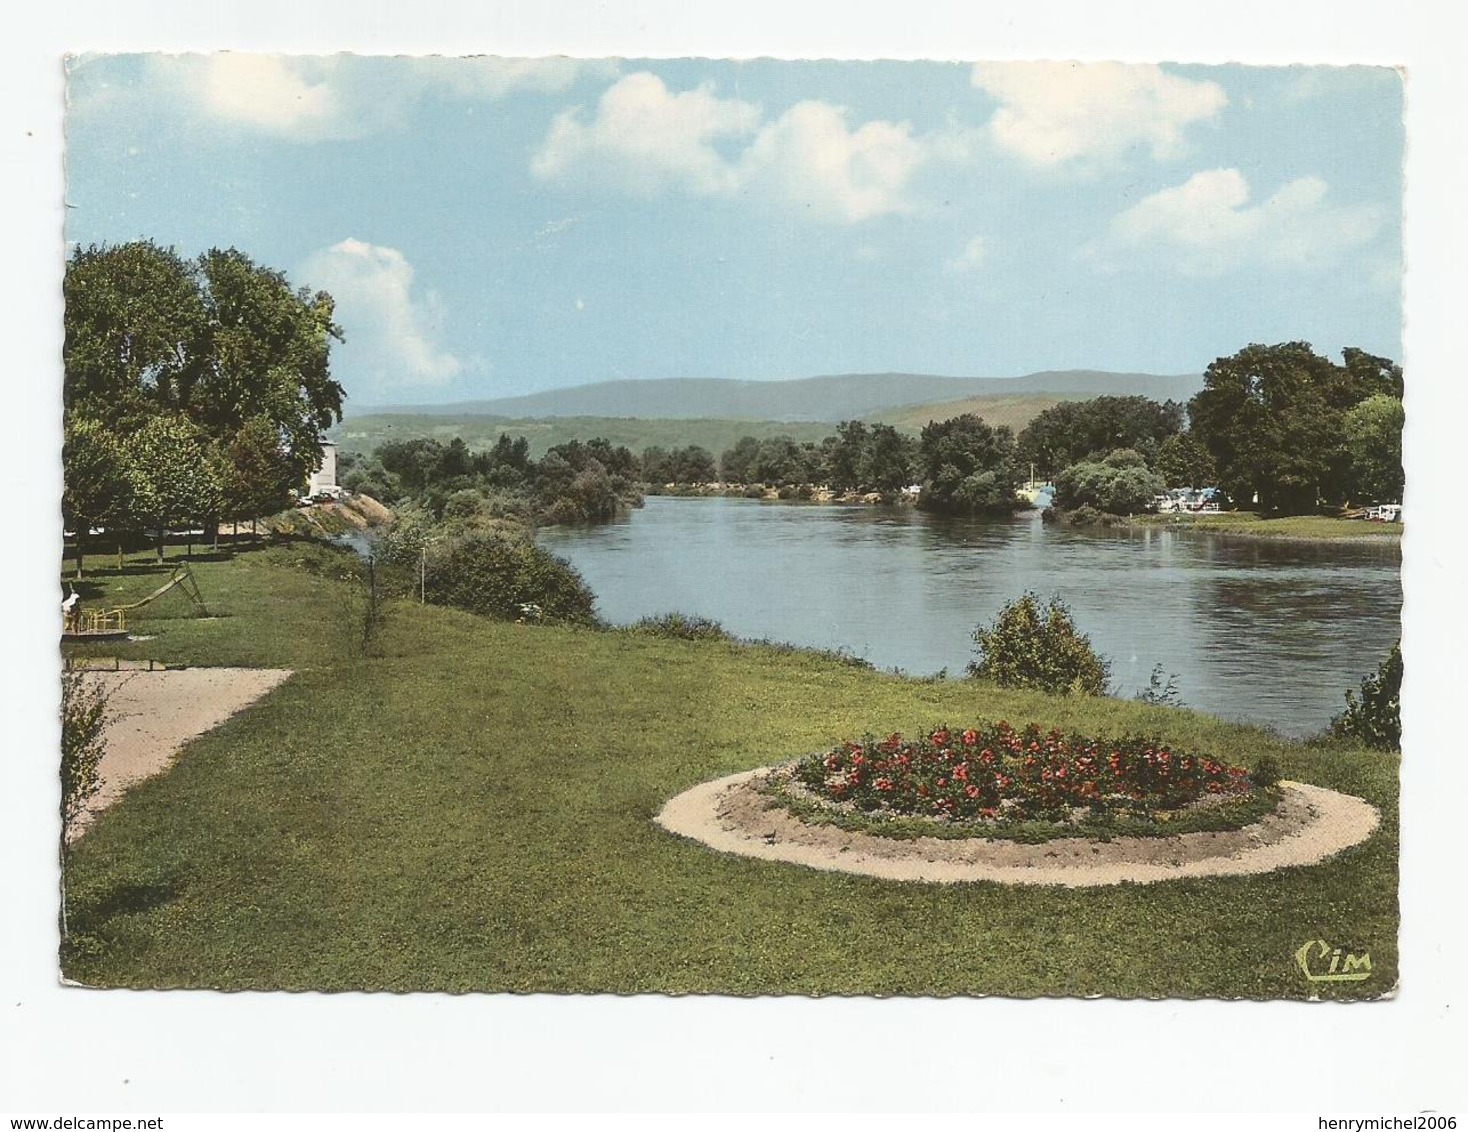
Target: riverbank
column 1248, row 524
column 481, row 795
column 1243, row 624
column 787, row 493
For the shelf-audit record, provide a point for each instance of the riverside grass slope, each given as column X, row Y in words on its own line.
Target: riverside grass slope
column 472, row 810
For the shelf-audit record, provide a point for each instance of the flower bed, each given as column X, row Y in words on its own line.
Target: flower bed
column 995, row 775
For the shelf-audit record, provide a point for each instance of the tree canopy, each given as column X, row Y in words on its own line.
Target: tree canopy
column 1373, row 431
column 1182, row 461
column 968, row 467
column 1073, row 431
column 216, row 358
column 1121, row 484
column 1274, row 420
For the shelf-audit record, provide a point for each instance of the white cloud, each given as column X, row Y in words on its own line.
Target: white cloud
column 266, row 92
column 490, row 77
column 1206, row 227
column 305, row 98
column 809, row 158
column 1086, row 115
column 972, row 256
column 391, row 333
column 647, row 140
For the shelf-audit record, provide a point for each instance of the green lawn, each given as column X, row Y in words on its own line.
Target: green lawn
column 1310, row 527
column 471, row 810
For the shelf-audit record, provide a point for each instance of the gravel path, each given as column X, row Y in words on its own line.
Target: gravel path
column 151, row 715
column 1310, row 825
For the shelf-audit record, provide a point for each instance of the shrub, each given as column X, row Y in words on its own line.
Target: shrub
column 994, row 772
column 1376, row 718
column 322, row 559
column 502, row 577
column 682, row 626
column 83, row 719
column 1034, row 646
column 1266, row 772
column 1121, row 484
column 463, row 505
column 1161, row 689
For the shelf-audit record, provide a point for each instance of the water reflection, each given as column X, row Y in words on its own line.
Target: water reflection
column 1267, row 632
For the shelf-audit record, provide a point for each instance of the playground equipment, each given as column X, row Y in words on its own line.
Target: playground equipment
column 111, row 624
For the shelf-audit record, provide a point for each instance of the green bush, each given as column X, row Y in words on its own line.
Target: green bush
column 683, row 626
column 1375, row 719
column 1035, row 646
column 323, row 559
column 463, row 505
column 83, row 720
column 1266, row 772
column 1120, row 484
column 511, row 578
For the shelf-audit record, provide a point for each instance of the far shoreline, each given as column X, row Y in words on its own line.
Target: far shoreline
column 1320, row 530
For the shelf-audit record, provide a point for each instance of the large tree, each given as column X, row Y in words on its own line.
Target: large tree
column 220, row 341
column 1273, row 419
column 848, row 455
column 1182, row 461
column 135, row 331
column 174, row 476
column 736, row 465
column 95, row 488
column 1373, row 431
column 256, row 481
column 968, row 467
column 1073, row 431
column 889, row 459
column 268, row 356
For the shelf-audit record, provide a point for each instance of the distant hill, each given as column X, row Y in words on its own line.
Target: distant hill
column 1016, row 412
column 831, row 399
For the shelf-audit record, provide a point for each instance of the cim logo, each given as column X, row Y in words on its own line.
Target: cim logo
column 1322, row 963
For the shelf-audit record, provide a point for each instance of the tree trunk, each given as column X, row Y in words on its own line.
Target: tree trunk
column 80, row 550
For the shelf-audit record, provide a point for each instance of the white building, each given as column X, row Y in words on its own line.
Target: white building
column 323, row 479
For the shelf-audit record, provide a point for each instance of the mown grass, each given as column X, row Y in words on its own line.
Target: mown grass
column 472, row 810
column 1289, row 527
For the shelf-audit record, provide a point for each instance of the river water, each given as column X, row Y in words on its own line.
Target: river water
column 1263, row 632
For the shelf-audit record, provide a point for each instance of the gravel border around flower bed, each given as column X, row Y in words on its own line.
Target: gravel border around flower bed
column 732, row 815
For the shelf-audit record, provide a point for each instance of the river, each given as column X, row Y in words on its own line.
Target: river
column 1257, row 631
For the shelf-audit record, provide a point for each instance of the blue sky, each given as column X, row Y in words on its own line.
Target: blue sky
column 494, row 227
